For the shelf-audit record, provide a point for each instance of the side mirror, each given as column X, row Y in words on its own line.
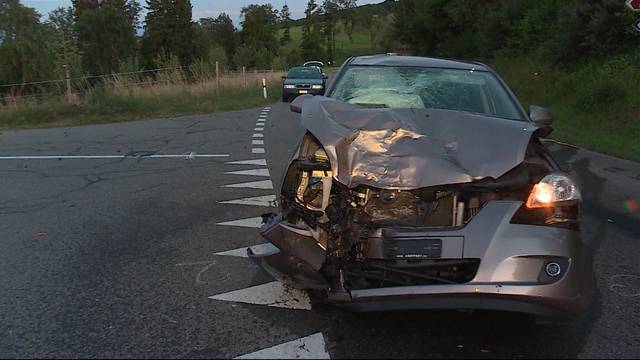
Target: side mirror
column 540, row 115
column 284, row 77
column 325, row 76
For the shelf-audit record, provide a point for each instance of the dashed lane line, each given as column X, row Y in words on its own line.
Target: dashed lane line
column 242, row 252
column 260, row 162
column 263, row 184
column 252, row 172
column 266, row 201
column 254, row 222
column 273, row 294
column 308, row 347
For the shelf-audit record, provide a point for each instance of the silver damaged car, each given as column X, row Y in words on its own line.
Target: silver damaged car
column 422, row 183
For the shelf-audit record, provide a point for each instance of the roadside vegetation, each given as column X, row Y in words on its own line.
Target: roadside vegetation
column 120, row 100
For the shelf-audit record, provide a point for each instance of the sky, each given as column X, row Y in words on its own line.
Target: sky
column 202, row 8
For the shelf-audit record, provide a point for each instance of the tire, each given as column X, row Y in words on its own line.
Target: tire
column 284, row 97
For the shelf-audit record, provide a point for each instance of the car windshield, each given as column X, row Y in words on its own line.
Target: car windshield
column 421, row 87
column 304, row 73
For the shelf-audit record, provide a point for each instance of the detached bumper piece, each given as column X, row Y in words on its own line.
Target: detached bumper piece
column 296, row 257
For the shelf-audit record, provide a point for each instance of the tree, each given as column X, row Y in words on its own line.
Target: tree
column 285, row 20
column 66, row 55
column 105, row 38
column 106, row 33
column 311, row 37
column 347, row 17
column 24, row 44
column 329, row 28
column 222, row 32
column 169, row 32
column 259, row 26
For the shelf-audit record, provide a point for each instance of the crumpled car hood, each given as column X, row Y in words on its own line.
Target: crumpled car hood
column 413, row 148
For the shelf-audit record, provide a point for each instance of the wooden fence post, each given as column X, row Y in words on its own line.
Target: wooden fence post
column 68, row 81
column 244, row 77
column 217, row 77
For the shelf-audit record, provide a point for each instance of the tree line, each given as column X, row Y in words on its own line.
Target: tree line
column 555, row 31
column 94, row 37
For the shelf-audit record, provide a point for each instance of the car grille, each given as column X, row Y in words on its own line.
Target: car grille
column 303, row 86
column 372, row 274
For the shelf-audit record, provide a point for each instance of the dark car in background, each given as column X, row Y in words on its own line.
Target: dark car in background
column 422, row 183
column 303, row 80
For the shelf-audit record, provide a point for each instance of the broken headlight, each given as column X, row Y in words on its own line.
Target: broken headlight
column 554, row 201
column 553, row 190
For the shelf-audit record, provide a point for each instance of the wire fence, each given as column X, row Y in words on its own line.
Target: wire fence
column 74, row 88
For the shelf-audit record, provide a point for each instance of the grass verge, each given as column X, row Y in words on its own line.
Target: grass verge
column 113, row 104
column 595, row 104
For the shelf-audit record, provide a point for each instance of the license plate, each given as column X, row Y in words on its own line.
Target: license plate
column 303, row 91
column 416, row 249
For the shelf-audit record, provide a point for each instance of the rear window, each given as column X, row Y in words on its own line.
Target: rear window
column 304, row 73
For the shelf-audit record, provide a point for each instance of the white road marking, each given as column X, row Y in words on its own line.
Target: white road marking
column 258, row 135
column 257, row 142
column 191, row 155
column 263, row 184
column 249, row 162
column 262, row 116
column 242, row 252
column 255, row 222
column 266, row 201
column 274, row 294
column 258, row 129
column 309, row 347
column 252, row 172
column 257, row 151
column 261, row 121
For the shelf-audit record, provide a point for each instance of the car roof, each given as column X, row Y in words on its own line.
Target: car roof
column 304, row 68
column 415, row 61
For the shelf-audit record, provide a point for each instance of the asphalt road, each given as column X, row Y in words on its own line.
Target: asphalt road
column 114, row 257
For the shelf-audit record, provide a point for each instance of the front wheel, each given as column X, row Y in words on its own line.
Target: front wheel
column 284, row 97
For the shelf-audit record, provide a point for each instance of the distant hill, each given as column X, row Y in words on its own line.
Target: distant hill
column 384, row 8
column 368, row 36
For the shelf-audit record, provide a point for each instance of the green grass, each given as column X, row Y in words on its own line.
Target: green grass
column 109, row 107
column 595, row 105
column 360, row 44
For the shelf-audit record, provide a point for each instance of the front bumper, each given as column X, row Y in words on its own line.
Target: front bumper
column 508, row 277
column 292, row 93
